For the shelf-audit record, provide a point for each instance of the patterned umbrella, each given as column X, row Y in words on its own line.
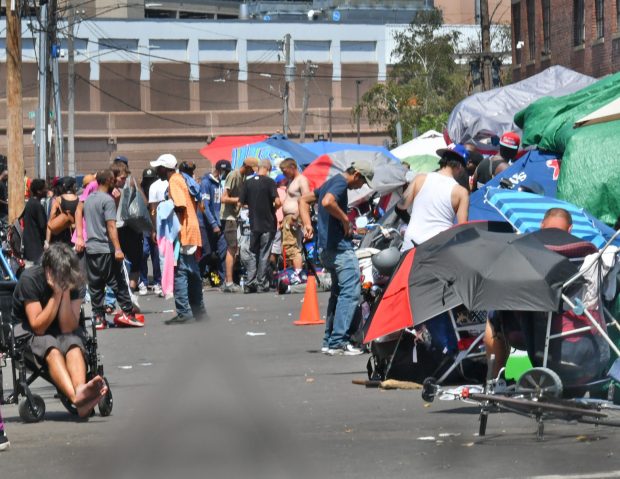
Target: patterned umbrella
column 276, row 148
column 525, row 211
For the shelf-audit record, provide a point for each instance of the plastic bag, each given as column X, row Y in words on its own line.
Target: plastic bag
column 138, row 216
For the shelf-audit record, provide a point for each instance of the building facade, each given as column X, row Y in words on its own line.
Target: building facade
column 580, row 34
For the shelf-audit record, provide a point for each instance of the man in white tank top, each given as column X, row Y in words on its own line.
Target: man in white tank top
column 438, row 200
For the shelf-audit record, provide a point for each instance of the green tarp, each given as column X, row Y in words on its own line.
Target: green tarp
column 590, row 173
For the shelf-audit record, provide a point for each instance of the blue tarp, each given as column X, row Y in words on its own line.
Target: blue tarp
column 319, row 148
column 535, row 166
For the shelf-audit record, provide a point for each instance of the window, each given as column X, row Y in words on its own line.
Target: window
column 531, row 28
column 516, row 31
column 546, row 13
column 579, row 24
column 600, row 18
column 617, row 15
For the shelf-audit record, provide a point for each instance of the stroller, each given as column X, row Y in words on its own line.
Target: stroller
column 573, row 377
column 25, row 370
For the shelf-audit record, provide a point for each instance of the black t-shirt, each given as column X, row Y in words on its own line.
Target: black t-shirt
column 4, row 196
column 486, row 168
column 35, row 223
column 32, row 286
column 259, row 193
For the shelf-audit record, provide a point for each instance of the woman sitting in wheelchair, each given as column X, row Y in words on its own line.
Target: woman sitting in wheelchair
column 46, row 304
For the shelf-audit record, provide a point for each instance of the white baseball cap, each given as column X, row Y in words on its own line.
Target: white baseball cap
column 166, row 160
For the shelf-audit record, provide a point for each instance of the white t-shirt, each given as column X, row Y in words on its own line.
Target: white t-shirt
column 157, row 191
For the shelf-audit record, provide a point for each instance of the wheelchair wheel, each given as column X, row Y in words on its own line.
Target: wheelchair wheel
column 540, row 382
column 67, row 404
column 107, row 402
column 32, row 413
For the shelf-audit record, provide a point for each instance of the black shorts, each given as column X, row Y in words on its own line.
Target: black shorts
column 132, row 244
column 230, row 234
column 41, row 345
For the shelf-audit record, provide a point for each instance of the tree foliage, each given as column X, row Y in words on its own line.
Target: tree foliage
column 424, row 84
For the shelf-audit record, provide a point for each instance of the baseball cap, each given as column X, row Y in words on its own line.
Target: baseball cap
column 365, row 169
column 123, row 159
column 280, row 179
column 510, row 140
column 457, row 151
column 166, row 160
column 149, row 173
column 223, row 165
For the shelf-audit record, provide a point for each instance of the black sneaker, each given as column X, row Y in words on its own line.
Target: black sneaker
column 249, row 289
column 4, row 442
column 178, row 320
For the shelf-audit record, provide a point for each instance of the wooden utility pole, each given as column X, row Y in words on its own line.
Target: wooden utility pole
column 487, row 56
column 15, row 126
column 309, row 72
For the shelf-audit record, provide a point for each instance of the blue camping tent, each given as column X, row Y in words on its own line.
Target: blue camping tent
column 541, row 168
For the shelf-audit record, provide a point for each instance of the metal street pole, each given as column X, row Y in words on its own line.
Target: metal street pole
column 15, row 127
column 289, row 75
column 59, row 151
column 71, row 97
column 485, row 30
column 41, row 130
column 357, row 103
column 331, row 104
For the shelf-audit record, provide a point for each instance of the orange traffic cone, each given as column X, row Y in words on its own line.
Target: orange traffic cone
column 310, row 309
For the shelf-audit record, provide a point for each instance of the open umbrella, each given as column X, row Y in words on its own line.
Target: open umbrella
column 319, row 148
column 477, row 265
column 389, row 173
column 525, row 211
column 275, row 148
column 222, row 147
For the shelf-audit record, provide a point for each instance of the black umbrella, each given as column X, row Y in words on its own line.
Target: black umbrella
column 475, row 265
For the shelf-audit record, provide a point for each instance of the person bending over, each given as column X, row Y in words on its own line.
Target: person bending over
column 46, row 304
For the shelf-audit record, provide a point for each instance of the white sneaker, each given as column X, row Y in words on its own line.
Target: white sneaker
column 157, row 289
column 324, row 349
column 142, row 289
column 345, row 350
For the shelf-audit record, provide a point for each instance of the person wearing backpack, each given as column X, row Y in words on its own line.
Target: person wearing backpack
column 35, row 222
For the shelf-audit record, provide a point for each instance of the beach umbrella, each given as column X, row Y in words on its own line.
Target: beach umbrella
column 275, row 148
column 319, row 148
column 525, row 211
column 222, row 147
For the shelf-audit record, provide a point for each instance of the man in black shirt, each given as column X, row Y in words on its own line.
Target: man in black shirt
column 260, row 194
column 4, row 195
column 35, row 222
column 46, row 305
column 489, row 168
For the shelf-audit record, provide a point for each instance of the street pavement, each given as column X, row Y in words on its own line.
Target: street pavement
column 248, row 394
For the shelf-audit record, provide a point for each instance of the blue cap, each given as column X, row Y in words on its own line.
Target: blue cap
column 280, row 178
column 123, row 159
column 457, row 151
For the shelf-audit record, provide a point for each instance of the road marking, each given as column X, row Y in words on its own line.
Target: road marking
column 595, row 475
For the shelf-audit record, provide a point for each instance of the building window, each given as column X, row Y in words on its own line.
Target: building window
column 516, row 31
column 600, row 18
column 531, row 27
column 617, row 15
column 546, row 13
column 579, row 23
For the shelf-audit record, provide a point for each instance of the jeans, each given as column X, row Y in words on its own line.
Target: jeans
column 258, row 266
column 213, row 252
column 344, row 269
column 150, row 249
column 188, row 287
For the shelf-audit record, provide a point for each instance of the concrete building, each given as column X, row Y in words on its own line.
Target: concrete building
column 579, row 34
column 463, row 12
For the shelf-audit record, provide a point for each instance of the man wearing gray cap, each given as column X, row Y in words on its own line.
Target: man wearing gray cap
column 336, row 251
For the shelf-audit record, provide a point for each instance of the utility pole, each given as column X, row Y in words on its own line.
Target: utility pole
column 309, row 72
column 15, row 127
column 41, row 130
column 485, row 31
column 71, row 97
column 59, row 146
column 331, row 104
column 357, row 107
column 289, row 76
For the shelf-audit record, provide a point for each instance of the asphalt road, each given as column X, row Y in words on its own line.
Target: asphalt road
column 247, row 394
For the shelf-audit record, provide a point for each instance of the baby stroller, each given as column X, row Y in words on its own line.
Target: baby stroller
column 573, row 378
column 25, row 370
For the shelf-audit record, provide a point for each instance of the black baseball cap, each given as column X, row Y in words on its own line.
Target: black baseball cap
column 223, row 165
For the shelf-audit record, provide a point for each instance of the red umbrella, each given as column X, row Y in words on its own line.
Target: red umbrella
column 222, row 147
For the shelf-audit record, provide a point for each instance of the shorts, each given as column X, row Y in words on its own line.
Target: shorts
column 132, row 244
column 40, row 345
column 291, row 237
column 230, row 234
column 276, row 247
column 508, row 325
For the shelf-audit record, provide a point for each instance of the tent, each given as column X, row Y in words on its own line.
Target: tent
column 534, row 167
column 590, row 177
column 275, row 148
column 222, row 146
column 491, row 113
column 609, row 112
column 319, row 148
column 425, row 144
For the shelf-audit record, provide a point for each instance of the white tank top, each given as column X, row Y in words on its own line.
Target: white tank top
column 432, row 210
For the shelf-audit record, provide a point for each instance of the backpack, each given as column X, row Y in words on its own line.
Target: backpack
column 15, row 237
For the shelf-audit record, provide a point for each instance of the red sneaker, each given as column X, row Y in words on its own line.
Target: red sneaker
column 127, row 320
column 100, row 323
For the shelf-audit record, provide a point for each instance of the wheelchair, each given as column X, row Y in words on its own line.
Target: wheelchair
column 25, row 370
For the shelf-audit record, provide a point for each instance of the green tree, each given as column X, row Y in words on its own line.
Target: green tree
column 424, row 85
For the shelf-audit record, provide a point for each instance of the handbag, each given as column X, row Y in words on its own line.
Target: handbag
column 138, row 217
